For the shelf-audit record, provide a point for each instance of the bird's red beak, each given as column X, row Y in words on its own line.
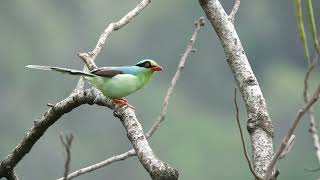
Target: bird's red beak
column 157, row 68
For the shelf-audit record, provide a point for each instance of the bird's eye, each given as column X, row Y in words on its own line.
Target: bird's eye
column 147, row 64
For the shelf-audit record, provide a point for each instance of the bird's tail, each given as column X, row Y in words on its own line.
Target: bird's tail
column 61, row 70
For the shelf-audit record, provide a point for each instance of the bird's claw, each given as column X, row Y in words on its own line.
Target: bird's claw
column 123, row 102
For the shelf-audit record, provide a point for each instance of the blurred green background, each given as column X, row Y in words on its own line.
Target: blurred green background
column 199, row 137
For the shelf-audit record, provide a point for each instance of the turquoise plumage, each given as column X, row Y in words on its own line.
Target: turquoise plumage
column 115, row 82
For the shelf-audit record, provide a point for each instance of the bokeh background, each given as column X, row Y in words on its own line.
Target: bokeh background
column 199, row 136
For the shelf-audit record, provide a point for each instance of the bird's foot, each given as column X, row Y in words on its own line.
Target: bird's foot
column 123, row 102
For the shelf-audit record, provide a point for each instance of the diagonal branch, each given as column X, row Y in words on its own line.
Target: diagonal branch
column 42, row 124
column 114, row 26
column 162, row 115
column 259, row 123
column 153, row 165
column 176, row 76
column 101, row 164
column 292, row 128
column 313, row 128
column 156, row 168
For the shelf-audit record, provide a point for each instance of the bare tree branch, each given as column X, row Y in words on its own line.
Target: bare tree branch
column 313, row 127
column 12, row 175
column 200, row 23
column 88, row 61
column 156, row 168
column 42, row 124
column 288, row 147
column 234, row 10
column 307, row 76
column 66, row 141
column 91, row 56
column 89, row 96
column 117, row 25
column 259, row 123
column 242, row 138
column 101, row 164
column 162, row 115
column 114, row 26
column 292, row 128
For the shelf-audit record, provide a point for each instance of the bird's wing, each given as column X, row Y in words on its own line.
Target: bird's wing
column 106, row 72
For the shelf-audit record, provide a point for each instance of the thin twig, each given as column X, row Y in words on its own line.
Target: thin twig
column 161, row 117
column 101, row 164
column 118, row 25
column 307, row 76
column 242, row 138
column 289, row 146
column 200, row 23
column 66, row 141
column 312, row 169
column 292, row 128
column 234, row 10
column 91, row 56
column 313, row 127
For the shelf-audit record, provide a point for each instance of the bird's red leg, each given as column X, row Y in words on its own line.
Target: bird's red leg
column 123, row 102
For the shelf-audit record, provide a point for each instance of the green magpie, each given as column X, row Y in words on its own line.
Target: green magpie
column 114, row 82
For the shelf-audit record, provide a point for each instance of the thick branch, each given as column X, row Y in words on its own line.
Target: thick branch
column 90, row 96
column 156, row 168
column 162, row 115
column 259, row 123
column 41, row 125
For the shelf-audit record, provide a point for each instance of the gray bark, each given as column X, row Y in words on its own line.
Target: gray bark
column 259, row 123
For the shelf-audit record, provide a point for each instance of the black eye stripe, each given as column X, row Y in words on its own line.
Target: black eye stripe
column 145, row 64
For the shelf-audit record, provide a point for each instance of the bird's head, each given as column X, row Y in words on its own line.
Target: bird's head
column 149, row 64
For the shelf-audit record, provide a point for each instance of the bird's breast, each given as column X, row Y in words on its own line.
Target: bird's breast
column 118, row 86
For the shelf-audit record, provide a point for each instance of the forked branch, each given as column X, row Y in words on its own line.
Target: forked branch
column 284, row 144
column 200, row 23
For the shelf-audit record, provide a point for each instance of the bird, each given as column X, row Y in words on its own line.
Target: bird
column 114, row 82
